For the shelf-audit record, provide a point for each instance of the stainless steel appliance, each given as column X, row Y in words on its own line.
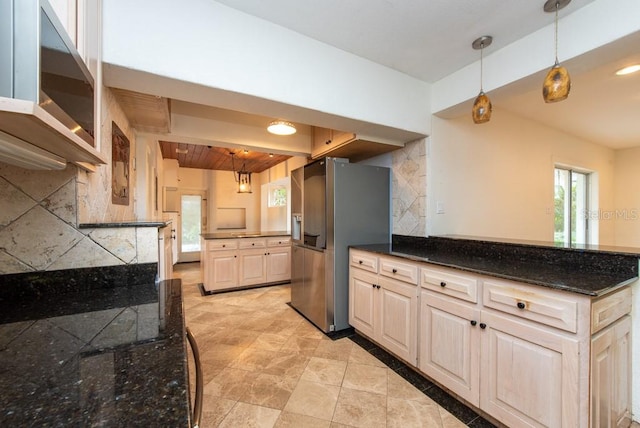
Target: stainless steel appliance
column 334, row 204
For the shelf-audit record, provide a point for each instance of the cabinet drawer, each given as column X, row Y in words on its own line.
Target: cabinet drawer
column 452, row 284
column 283, row 241
column 394, row 268
column 610, row 308
column 533, row 303
column 221, row 245
column 252, row 243
column 366, row 261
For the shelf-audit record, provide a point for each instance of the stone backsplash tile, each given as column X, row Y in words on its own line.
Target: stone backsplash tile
column 37, row 184
column 62, row 203
column 409, row 182
column 121, row 242
column 38, row 238
column 85, row 253
column 14, row 202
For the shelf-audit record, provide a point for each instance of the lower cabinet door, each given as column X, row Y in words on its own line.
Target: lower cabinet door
column 222, row 270
column 253, row 269
column 397, row 316
column 450, row 344
column 529, row 375
column 362, row 287
column 279, row 264
column 610, row 376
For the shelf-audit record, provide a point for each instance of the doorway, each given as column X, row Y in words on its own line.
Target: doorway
column 192, row 222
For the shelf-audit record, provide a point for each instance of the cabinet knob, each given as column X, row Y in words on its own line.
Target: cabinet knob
column 394, row 270
column 373, row 285
column 473, row 322
column 328, row 142
column 223, row 245
column 253, row 243
column 378, row 287
column 521, row 305
column 443, row 284
column 359, row 261
column 483, row 325
column 279, row 242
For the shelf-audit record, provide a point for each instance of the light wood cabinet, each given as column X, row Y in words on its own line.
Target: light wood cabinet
column 383, row 308
column 236, row 263
column 342, row 144
column 530, row 375
column 528, row 356
column 610, row 374
column 221, row 270
column 450, row 344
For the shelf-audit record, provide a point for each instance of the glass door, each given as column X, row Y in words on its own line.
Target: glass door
column 193, row 220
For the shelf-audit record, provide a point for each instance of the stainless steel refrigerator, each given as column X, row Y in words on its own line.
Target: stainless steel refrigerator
column 334, row 204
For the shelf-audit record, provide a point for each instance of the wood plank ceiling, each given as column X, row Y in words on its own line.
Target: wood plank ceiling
column 218, row 158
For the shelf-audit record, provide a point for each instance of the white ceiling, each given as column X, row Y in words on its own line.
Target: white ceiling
column 429, row 39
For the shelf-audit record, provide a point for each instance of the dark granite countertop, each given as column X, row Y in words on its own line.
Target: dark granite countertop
column 100, row 349
column 590, row 273
column 235, row 235
column 126, row 223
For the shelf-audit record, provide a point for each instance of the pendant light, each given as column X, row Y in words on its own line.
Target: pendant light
column 242, row 177
column 557, row 84
column 481, row 111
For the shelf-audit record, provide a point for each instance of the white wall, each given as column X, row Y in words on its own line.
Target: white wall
column 627, row 198
column 303, row 85
column 496, row 179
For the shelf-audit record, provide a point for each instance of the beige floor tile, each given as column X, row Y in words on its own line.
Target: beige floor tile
column 323, row 370
column 293, row 420
column 269, row 391
column 253, row 359
column 307, row 330
column 230, row 383
column 334, row 349
column 214, row 410
column 360, row 356
column 237, row 337
column 286, row 364
column 398, row 387
column 250, row 416
column 409, row 413
column 301, row 345
column 269, row 341
column 313, row 399
column 361, row 408
column 365, row 378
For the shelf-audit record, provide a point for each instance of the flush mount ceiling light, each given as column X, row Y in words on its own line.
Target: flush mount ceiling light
column 281, row 127
column 242, row 177
column 481, row 111
column 557, row 84
column 628, row 70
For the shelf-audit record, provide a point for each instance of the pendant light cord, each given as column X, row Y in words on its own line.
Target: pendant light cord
column 556, row 32
column 481, row 68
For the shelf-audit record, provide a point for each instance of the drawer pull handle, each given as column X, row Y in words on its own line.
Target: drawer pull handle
column 360, row 261
column 521, row 305
column 443, row 284
column 474, row 322
column 394, row 270
column 223, row 245
column 483, row 325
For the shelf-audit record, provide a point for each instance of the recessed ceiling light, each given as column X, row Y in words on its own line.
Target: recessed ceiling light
column 281, row 127
column 628, row 70
column 182, row 151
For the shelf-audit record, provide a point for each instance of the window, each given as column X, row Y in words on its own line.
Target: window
column 277, row 196
column 571, row 225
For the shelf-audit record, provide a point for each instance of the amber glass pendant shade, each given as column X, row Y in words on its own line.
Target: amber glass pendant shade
column 556, row 85
column 481, row 111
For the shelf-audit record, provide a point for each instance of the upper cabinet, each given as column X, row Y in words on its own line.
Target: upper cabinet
column 341, row 144
column 47, row 92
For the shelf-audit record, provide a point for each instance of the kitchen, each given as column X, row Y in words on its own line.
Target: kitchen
column 405, row 115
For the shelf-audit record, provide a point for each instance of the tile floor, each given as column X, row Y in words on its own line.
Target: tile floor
column 266, row 366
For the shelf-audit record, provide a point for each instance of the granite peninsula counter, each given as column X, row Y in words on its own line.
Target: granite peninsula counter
column 92, row 347
column 578, row 270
